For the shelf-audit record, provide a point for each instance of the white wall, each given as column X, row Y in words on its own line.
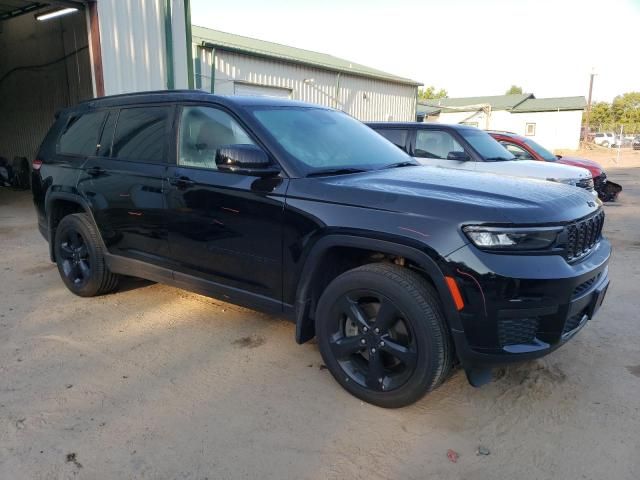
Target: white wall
column 132, row 39
column 364, row 98
column 554, row 130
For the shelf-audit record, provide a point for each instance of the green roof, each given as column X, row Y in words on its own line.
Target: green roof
column 551, row 104
column 427, row 110
column 525, row 102
column 253, row 46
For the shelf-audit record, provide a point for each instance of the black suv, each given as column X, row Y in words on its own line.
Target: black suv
column 400, row 271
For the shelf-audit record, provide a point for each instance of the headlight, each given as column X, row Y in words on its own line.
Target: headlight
column 498, row 238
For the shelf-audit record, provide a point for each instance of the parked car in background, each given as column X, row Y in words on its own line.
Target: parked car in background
column 399, row 270
column 636, row 143
column 464, row 147
column 524, row 148
column 604, row 139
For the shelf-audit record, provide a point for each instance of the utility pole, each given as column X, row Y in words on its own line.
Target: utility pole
column 586, row 123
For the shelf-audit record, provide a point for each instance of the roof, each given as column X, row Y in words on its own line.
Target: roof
column 253, row 46
column 551, row 104
column 523, row 102
column 156, row 96
column 420, row 125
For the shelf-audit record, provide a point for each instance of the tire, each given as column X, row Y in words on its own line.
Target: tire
column 80, row 257
column 410, row 355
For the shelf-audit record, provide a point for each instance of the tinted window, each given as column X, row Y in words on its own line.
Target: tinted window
column 396, row 136
column 323, row 139
column 202, row 131
column 543, row 152
column 141, row 134
column 104, row 148
column 80, row 136
column 486, row 146
column 435, row 144
column 517, row 151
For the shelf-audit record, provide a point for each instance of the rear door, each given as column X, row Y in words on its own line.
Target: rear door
column 439, row 148
column 123, row 181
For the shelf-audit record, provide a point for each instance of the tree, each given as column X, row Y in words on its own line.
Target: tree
column 600, row 114
column 429, row 93
column 626, row 108
column 514, row 90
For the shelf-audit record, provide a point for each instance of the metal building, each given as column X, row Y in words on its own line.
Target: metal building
column 230, row 64
column 55, row 53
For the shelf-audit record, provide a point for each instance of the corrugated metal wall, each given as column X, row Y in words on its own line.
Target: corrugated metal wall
column 364, row 98
column 36, row 80
column 133, row 45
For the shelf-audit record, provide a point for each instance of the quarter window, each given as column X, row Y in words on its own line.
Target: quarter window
column 396, row 136
column 80, row 136
column 203, row 130
column 435, row 144
column 141, row 134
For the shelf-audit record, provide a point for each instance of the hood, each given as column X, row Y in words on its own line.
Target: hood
column 546, row 170
column 455, row 195
column 592, row 166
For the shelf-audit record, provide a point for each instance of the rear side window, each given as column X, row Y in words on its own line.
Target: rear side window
column 141, row 134
column 395, row 136
column 80, row 136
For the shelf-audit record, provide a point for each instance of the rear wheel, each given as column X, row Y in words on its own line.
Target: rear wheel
column 382, row 335
column 80, row 257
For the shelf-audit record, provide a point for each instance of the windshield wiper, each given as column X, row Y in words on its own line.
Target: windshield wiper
column 407, row 163
column 335, row 171
column 498, row 159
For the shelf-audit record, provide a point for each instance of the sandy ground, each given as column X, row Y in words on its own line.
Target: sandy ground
column 154, row 382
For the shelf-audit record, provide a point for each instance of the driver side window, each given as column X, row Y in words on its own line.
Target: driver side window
column 517, row 151
column 435, row 144
column 203, row 130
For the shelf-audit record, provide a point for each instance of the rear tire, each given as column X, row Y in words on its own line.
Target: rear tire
column 382, row 334
column 80, row 257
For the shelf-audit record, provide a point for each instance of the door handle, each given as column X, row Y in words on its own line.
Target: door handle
column 96, row 171
column 181, row 182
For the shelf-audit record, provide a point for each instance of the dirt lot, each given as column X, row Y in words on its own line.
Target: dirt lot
column 154, row 382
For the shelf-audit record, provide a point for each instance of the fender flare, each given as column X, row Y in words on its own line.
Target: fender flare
column 71, row 197
column 305, row 328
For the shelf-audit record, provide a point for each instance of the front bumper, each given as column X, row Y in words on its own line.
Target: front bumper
column 523, row 307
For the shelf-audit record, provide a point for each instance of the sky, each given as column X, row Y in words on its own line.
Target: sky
column 467, row 47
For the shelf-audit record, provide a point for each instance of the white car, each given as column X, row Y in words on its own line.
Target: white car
column 604, row 139
column 468, row 148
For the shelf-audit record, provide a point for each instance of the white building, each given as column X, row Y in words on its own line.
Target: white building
column 230, row 64
column 553, row 122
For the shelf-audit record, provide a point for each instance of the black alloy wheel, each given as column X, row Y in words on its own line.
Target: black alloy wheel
column 76, row 264
column 382, row 334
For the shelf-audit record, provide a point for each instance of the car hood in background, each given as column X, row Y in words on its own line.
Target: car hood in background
column 594, row 167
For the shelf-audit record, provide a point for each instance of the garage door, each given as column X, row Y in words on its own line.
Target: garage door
column 260, row 90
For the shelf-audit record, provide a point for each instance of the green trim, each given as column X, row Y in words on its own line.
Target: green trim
column 168, row 44
column 187, row 20
column 198, row 67
column 213, row 69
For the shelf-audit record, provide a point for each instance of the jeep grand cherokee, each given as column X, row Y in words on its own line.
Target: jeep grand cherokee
column 400, row 271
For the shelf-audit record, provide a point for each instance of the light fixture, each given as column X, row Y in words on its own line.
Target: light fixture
column 55, row 13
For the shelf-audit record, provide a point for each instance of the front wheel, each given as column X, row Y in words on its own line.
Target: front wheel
column 382, row 334
column 80, row 257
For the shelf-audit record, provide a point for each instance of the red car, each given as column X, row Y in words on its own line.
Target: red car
column 526, row 149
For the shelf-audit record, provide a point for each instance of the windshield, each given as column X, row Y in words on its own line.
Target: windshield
column 324, row 139
column 540, row 150
column 483, row 143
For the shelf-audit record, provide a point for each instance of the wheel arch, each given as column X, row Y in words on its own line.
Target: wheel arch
column 57, row 206
column 311, row 274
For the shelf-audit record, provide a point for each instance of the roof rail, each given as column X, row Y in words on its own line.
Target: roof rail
column 501, row 131
column 148, row 92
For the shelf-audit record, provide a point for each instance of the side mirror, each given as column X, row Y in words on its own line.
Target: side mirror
column 558, row 157
column 458, row 155
column 245, row 160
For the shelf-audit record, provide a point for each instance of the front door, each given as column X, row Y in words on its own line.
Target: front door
column 124, row 182
column 439, row 148
column 224, row 228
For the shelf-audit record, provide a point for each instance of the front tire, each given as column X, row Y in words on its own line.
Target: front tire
column 80, row 257
column 382, row 335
